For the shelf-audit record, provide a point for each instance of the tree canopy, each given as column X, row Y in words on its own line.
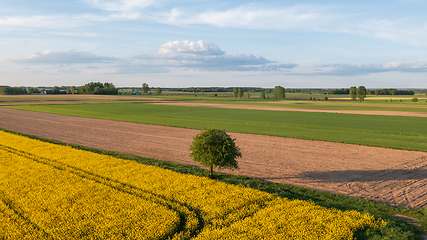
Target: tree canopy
column 98, row 88
column 214, row 148
column 158, row 91
column 241, row 92
column 361, row 93
column 353, row 93
column 12, row 91
column 145, row 88
column 262, row 94
column 279, row 92
column 235, row 91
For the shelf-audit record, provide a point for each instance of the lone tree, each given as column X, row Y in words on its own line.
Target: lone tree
column 214, row 148
column 279, row 92
column 361, row 93
column 235, row 91
column 241, row 92
column 353, row 93
column 158, row 91
column 145, row 88
column 262, row 93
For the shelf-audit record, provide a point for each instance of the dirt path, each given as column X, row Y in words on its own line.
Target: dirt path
column 274, row 108
column 392, row 176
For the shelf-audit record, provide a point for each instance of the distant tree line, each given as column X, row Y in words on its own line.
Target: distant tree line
column 391, row 91
column 12, row 91
column 213, row 89
column 385, row 91
column 339, row 91
column 303, row 90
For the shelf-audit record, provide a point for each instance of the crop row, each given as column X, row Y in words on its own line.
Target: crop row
column 61, row 192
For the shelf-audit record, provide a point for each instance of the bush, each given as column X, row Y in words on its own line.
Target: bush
column 414, row 100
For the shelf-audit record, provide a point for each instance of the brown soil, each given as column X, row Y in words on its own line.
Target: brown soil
column 385, row 175
column 274, row 108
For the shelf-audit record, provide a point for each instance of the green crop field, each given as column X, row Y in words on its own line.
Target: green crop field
column 331, row 105
column 408, row 133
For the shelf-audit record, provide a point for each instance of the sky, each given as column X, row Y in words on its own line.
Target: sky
column 223, row 43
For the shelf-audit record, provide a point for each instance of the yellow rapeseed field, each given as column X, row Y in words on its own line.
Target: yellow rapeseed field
column 49, row 191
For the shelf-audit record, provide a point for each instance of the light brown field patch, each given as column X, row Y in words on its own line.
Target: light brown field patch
column 386, row 175
column 278, row 108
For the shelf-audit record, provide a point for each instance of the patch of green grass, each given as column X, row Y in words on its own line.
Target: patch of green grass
column 409, row 133
column 331, row 105
column 395, row 228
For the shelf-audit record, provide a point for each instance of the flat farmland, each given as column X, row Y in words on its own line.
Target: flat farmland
column 385, row 175
column 398, row 132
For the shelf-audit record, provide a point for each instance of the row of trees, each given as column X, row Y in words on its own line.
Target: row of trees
column 279, row 92
column 12, row 91
column 386, row 91
column 391, row 91
column 145, row 88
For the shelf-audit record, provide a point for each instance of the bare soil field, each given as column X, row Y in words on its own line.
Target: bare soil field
column 396, row 177
column 274, row 108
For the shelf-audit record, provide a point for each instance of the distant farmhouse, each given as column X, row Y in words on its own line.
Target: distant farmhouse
column 50, row 91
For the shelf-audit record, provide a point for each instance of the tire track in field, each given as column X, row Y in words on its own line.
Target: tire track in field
column 332, row 167
column 18, row 218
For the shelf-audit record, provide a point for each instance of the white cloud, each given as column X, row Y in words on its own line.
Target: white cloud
column 200, row 48
column 205, row 56
column 58, row 21
column 120, row 5
column 59, row 57
column 365, row 69
column 400, row 30
column 172, row 56
column 313, row 18
column 255, row 16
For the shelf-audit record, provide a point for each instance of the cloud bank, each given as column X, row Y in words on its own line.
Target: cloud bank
column 173, row 55
column 205, row 56
column 59, row 57
column 365, row 69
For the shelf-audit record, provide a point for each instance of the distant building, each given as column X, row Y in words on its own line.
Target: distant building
column 51, row 92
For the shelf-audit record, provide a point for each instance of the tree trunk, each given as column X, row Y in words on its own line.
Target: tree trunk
column 211, row 171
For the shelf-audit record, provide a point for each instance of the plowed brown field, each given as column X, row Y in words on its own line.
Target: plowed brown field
column 386, row 175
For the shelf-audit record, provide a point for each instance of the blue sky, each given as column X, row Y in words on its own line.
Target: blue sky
column 295, row 44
